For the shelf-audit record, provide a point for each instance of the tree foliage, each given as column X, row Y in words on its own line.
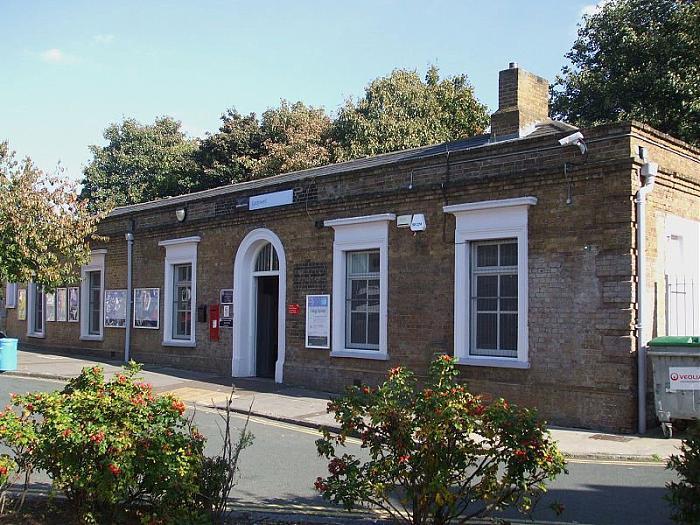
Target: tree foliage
column 290, row 137
column 437, row 454
column 230, row 154
column 295, row 138
column 140, row 162
column 144, row 162
column 402, row 111
column 635, row 59
column 44, row 229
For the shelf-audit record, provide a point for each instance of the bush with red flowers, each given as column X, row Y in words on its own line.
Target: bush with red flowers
column 108, row 445
column 437, row 454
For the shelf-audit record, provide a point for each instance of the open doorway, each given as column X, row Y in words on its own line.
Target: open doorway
column 266, row 325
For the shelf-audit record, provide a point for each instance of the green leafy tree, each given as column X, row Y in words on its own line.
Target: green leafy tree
column 437, row 454
column 44, row 229
column 403, row 111
column 230, row 154
column 684, row 494
column 288, row 138
column 140, row 162
column 295, row 138
column 635, row 59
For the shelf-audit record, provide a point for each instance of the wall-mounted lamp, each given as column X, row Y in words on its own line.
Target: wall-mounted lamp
column 181, row 213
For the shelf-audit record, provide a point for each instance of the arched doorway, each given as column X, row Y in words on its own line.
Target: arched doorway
column 259, row 291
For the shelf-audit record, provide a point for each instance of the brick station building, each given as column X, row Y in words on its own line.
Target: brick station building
column 512, row 251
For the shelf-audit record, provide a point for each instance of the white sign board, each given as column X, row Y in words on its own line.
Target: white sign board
column 318, row 321
column 270, row 200
column 684, row 378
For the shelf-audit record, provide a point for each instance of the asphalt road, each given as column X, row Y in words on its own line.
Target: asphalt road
column 278, row 470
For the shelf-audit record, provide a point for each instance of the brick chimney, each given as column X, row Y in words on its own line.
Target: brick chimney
column 523, row 100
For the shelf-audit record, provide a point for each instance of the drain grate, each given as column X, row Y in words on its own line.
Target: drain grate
column 608, row 437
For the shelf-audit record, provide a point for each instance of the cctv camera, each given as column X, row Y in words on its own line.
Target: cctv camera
column 575, row 139
column 571, row 139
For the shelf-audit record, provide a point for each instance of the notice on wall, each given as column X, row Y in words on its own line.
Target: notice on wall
column 318, row 321
column 226, row 308
column 61, row 305
column 73, row 305
column 684, row 378
column 147, row 308
column 22, row 304
column 115, row 308
column 50, row 306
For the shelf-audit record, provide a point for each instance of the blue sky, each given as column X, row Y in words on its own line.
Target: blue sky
column 71, row 67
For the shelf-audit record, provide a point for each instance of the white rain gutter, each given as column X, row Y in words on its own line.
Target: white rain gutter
column 648, row 171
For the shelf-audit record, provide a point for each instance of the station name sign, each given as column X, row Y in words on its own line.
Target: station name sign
column 270, row 200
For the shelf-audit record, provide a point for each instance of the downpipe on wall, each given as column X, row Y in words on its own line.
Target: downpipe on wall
column 127, row 337
column 648, row 172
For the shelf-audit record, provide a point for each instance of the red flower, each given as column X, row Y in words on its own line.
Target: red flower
column 479, row 410
column 404, row 458
column 445, row 358
column 67, row 432
column 336, row 466
column 394, row 371
column 178, row 406
column 30, row 407
column 520, row 453
column 320, row 485
column 3, row 470
column 114, row 469
column 366, row 390
column 97, row 437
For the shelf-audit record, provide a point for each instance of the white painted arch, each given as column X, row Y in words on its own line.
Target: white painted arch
column 243, row 359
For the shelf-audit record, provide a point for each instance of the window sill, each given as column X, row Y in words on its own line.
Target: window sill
column 36, row 335
column 92, row 338
column 360, row 354
column 180, row 343
column 495, row 362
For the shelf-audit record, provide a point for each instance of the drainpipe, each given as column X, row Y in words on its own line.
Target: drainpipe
column 648, row 171
column 127, row 339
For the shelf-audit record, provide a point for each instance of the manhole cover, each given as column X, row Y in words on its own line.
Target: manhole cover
column 608, row 437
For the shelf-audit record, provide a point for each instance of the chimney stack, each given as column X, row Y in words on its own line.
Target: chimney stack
column 523, row 101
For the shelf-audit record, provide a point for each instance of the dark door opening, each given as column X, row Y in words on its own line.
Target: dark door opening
column 266, row 326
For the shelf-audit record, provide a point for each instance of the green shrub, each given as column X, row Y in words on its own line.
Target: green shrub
column 436, row 453
column 685, row 494
column 108, row 445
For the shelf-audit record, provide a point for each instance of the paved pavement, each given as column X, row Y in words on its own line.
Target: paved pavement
column 308, row 407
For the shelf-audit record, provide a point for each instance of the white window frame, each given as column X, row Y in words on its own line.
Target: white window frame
column 31, row 302
column 97, row 264
column 179, row 251
column 11, row 295
column 489, row 221
column 370, row 232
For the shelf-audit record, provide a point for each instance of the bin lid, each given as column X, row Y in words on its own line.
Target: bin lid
column 676, row 340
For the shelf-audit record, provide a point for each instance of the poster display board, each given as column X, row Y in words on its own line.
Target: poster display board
column 147, row 308
column 226, row 308
column 61, row 305
column 22, row 304
column 50, row 306
column 73, row 304
column 318, row 321
column 115, row 308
